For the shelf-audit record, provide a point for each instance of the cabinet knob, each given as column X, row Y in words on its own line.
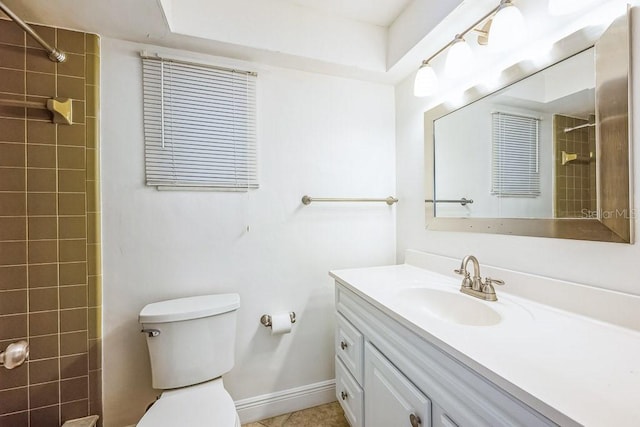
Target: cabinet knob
column 343, row 345
column 414, row 420
column 344, row 395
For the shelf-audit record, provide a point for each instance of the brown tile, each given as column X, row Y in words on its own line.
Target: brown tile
column 74, row 389
column 43, row 227
column 41, row 156
column 93, row 259
column 12, row 154
column 45, row 417
column 12, row 378
column 73, row 273
column 14, row 400
column 73, row 66
column 13, row 277
column 14, row 112
column 73, row 320
column 71, row 41
column 78, row 112
column 93, row 228
column 11, row 33
column 12, row 179
column 12, row 81
column 73, row 343
column 73, row 296
column 93, row 200
column 74, row 366
column 43, row 251
column 72, row 135
column 43, row 347
column 71, row 157
column 92, row 98
column 95, row 324
column 41, row 180
column 12, row 56
column 48, row 34
column 91, row 163
column 71, row 204
column 38, row 60
column 13, row 228
column 73, row 410
column 43, row 323
column 12, row 129
column 73, row 250
column 92, row 69
column 71, row 87
column 17, row 419
column 13, row 302
column 95, row 392
column 41, row 84
column 95, row 354
column 41, row 132
column 44, row 394
column 14, row 326
column 72, row 227
column 92, row 132
column 94, row 291
column 43, row 371
column 13, row 253
column 92, row 43
column 43, row 299
column 41, row 204
column 12, row 204
column 71, row 181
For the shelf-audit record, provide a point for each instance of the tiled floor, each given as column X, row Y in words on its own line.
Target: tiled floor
column 329, row 415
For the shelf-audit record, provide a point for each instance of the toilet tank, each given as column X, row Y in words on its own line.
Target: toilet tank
column 190, row 340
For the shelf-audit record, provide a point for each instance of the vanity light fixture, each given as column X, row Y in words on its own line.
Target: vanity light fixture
column 502, row 27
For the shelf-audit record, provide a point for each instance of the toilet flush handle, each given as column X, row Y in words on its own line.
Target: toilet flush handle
column 151, row 332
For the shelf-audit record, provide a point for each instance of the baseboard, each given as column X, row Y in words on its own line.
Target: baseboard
column 282, row 402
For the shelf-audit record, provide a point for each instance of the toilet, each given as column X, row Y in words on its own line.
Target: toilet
column 191, row 345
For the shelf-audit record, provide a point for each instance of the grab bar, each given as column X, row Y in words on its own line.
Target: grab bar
column 54, row 54
column 62, row 108
column 462, row 201
column 307, row 200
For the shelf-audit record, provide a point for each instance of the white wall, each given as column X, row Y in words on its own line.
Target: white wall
column 606, row 265
column 318, row 135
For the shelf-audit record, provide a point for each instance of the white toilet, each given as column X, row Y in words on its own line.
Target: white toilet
column 191, row 345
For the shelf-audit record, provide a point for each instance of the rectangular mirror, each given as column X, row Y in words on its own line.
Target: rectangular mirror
column 547, row 155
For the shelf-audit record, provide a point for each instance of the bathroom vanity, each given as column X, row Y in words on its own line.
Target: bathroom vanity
column 411, row 350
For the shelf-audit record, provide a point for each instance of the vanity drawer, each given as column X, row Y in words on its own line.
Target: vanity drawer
column 350, row 395
column 349, row 347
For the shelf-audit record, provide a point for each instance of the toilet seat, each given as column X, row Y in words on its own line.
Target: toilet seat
column 202, row 405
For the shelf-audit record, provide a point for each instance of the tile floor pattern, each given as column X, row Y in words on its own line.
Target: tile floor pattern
column 329, row 415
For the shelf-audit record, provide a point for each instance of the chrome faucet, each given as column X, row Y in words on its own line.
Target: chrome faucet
column 475, row 286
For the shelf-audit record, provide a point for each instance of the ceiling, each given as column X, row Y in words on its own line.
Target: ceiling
column 369, row 40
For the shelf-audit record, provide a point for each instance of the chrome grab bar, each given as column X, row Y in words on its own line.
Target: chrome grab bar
column 462, row 201
column 307, row 200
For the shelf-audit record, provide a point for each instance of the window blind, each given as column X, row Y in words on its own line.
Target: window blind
column 515, row 163
column 199, row 125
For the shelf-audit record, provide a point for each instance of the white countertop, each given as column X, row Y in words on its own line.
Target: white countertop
column 555, row 361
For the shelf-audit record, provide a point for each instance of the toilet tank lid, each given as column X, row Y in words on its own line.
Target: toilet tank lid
column 189, row 308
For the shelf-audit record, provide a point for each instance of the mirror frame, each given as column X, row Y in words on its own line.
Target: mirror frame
column 614, row 157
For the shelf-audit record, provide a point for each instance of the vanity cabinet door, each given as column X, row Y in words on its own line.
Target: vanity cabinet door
column 349, row 395
column 349, row 345
column 390, row 398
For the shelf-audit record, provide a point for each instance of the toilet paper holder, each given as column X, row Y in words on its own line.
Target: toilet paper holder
column 266, row 319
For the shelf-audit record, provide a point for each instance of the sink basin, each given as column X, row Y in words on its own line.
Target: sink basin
column 450, row 306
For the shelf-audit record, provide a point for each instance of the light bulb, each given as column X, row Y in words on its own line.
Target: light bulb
column 565, row 7
column 426, row 82
column 507, row 27
column 458, row 57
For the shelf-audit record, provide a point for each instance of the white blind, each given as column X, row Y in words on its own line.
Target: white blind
column 515, row 167
column 199, row 125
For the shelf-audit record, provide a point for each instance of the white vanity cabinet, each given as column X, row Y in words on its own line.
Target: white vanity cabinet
column 386, row 375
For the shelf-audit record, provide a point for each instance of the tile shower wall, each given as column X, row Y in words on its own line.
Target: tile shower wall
column 575, row 182
column 50, row 282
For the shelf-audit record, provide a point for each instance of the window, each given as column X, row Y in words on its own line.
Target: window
column 515, row 168
column 199, row 126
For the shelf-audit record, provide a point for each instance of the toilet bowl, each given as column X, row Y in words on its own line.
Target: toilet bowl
column 206, row 404
column 191, row 344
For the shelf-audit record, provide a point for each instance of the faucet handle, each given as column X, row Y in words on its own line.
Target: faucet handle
column 490, row 281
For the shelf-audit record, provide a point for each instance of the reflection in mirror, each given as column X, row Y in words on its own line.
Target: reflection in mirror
column 538, row 135
column 545, row 156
